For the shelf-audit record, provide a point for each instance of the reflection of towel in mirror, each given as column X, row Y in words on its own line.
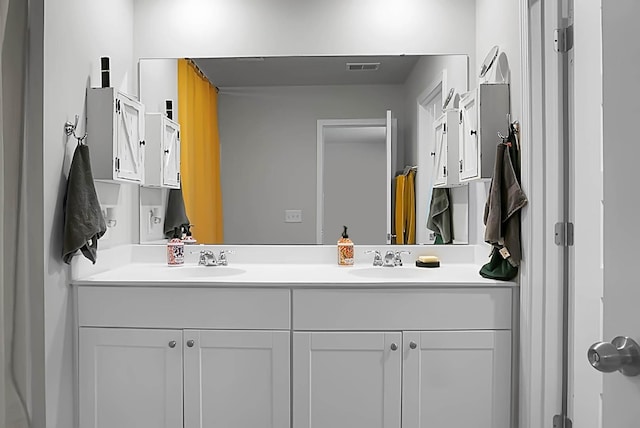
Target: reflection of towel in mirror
column 439, row 218
column 83, row 220
column 502, row 210
column 176, row 216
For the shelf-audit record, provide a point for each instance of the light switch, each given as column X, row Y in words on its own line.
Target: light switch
column 293, row 216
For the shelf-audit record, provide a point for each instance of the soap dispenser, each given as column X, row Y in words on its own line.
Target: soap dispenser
column 175, row 249
column 345, row 249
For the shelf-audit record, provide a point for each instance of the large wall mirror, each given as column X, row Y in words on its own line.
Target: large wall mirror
column 269, row 111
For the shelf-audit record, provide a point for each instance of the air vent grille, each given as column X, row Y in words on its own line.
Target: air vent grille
column 363, row 66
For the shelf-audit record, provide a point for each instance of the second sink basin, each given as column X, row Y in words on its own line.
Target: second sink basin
column 381, row 272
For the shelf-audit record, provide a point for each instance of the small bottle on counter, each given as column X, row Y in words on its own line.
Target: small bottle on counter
column 175, row 249
column 345, row 249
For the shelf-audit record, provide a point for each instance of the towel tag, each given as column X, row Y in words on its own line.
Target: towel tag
column 505, row 253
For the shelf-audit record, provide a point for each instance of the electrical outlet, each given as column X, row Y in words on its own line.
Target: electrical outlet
column 293, row 216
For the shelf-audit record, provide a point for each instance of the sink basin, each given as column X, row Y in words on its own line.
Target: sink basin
column 186, row 272
column 381, row 272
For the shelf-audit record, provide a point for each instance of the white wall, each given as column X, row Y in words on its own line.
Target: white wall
column 77, row 34
column 268, row 153
column 204, row 28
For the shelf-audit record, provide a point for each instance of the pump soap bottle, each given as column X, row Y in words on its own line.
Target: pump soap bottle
column 345, row 249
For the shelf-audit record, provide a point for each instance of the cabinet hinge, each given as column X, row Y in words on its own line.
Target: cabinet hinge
column 178, row 177
column 564, row 234
column 117, row 162
column 178, row 135
column 444, row 171
column 561, row 421
column 460, row 165
column 444, row 128
column 563, row 39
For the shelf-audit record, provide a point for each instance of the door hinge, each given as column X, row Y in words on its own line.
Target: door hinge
column 563, row 39
column 561, row 421
column 564, row 234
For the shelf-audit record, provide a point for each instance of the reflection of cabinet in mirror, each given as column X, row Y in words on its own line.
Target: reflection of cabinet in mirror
column 445, row 131
column 115, row 125
column 162, row 153
column 483, row 113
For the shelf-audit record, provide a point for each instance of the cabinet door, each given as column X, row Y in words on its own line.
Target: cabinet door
column 457, row 379
column 130, row 378
column 346, row 380
column 238, row 379
column 469, row 151
column 129, row 139
column 171, row 154
column 440, row 150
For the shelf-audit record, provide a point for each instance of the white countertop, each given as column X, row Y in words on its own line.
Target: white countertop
column 291, row 275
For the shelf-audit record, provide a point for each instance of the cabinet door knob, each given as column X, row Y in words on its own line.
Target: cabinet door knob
column 172, row 344
column 413, row 345
column 394, row 347
column 190, row 343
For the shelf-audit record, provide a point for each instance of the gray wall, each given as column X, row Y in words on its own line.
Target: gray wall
column 268, row 153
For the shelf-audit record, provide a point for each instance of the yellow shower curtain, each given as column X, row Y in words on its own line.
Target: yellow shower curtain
column 200, row 153
column 405, row 208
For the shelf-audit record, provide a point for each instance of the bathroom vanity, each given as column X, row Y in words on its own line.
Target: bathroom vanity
column 295, row 345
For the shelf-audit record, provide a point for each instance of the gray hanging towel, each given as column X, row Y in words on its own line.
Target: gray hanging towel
column 83, row 220
column 502, row 210
column 176, row 215
column 439, row 219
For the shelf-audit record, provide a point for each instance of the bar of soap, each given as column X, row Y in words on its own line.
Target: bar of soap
column 428, row 261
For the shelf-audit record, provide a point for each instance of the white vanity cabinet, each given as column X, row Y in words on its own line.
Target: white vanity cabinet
column 402, row 358
column 483, row 113
column 130, row 378
column 115, row 128
column 226, row 362
column 445, row 131
column 162, row 151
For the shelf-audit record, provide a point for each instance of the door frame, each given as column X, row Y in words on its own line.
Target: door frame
column 321, row 126
column 540, row 394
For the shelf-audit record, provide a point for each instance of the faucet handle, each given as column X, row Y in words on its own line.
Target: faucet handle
column 377, row 257
column 398, row 259
column 222, row 257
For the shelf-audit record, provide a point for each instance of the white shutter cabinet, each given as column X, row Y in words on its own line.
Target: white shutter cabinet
column 483, row 113
column 162, row 151
column 116, row 135
column 445, row 131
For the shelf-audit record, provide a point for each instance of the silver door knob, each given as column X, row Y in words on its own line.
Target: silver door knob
column 413, row 345
column 622, row 354
column 394, row 347
column 190, row 343
column 172, row 344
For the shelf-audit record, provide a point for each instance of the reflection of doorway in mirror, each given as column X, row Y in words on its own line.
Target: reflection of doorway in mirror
column 354, row 178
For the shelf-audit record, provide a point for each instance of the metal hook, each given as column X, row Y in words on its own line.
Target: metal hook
column 70, row 129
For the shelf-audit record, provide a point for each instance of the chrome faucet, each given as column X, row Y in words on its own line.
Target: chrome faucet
column 377, row 258
column 207, row 258
column 393, row 258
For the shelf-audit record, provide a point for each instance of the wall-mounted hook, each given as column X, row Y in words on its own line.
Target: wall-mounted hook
column 70, row 129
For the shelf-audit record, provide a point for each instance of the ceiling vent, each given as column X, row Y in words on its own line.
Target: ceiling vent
column 363, row 66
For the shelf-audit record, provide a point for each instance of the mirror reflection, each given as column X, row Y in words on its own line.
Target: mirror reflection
column 303, row 146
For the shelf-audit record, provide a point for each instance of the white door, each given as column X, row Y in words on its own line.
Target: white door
column 346, row 379
column 171, row 153
column 130, row 378
column 129, row 138
column 391, row 138
column 586, row 268
column 236, row 379
column 469, row 150
column 621, row 151
column 457, row 379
